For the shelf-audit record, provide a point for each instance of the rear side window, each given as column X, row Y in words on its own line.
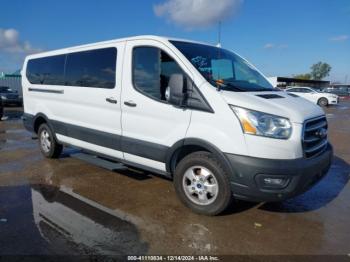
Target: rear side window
column 95, row 68
column 46, row 70
column 151, row 71
column 305, row 90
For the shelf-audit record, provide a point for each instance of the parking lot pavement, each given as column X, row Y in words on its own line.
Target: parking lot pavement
column 68, row 206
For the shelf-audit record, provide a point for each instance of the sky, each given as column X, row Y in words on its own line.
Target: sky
column 281, row 38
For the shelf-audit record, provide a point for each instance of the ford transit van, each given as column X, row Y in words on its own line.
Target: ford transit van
column 199, row 114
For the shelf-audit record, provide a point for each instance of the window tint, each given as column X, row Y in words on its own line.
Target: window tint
column 46, row 70
column 95, row 68
column 151, row 71
column 305, row 90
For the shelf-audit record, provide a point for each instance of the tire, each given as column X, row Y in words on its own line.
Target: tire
column 48, row 145
column 322, row 101
column 194, row 193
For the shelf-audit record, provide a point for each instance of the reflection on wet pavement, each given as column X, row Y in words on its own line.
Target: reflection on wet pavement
column 68, row 206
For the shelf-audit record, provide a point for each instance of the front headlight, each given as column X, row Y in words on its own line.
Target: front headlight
column 3, row 97
column 263, row 124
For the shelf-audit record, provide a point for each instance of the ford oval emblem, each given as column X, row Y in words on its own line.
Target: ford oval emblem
column 321, row 133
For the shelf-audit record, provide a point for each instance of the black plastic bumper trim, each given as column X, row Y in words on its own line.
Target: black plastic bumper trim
column 303, row 174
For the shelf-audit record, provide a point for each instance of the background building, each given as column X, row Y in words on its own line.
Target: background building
column 11, row 80
column 283, row 82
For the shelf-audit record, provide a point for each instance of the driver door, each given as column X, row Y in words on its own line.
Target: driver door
column 150, row 124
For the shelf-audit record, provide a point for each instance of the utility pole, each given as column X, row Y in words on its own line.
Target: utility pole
column 219, row 35
column 346, row 79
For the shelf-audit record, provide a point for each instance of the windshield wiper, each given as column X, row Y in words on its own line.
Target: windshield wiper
column 220, row 86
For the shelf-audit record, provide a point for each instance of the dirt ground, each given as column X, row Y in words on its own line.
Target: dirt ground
column 68, row 206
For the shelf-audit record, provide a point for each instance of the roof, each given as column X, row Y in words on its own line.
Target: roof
column 340, row 85
column 141, row 37
column 9, row 75
column 296, row 80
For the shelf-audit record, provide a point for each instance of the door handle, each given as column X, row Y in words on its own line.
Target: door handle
column 111, row 100
column 130, row 103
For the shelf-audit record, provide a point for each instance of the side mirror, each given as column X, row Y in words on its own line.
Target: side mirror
column 175, row 91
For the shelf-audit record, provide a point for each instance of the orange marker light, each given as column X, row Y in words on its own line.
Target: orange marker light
column 248, row 128
column 219, row 81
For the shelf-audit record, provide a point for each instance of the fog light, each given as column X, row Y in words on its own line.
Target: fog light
column 272, row 182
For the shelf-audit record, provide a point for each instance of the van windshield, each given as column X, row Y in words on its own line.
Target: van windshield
column 222, row 67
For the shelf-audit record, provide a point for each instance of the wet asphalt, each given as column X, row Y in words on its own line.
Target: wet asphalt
column 70, row 207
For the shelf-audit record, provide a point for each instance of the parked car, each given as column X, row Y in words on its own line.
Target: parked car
column 343, row 91
column 198, row 114
column 1, row 109
column 9, row 96
column 317, row 97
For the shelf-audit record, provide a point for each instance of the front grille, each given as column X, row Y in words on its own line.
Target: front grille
column 12, row 96
column 315, row 136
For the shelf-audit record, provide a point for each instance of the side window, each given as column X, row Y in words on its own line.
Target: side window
column 46, row 70
column 151, row 71
column 305, row 90
column 94, row 68
column 293, row 90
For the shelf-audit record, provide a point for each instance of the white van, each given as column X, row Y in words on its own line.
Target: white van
column 199, row 114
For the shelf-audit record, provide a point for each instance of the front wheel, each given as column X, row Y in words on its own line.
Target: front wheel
column 202, row 184
column 49, row 147
column 322, row 101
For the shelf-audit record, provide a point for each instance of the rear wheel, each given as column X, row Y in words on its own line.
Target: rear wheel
column 49, row 147
column 202, row 184
column 322, row 101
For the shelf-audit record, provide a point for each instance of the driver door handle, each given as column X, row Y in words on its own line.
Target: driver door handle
column 111, row 100
column 130, row 103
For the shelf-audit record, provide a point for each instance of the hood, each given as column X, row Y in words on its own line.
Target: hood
column 279, row 103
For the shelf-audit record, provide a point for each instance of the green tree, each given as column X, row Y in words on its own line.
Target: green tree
column 320, row 70
column 303, row 76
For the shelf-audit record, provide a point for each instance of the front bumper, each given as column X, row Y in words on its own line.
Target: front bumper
column 333, row 101
column 301, row 175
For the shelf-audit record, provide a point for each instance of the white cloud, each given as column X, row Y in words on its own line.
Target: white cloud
column 339, row 38
column 277, row 46
column 269, row 46
column 196, row 13
column 10, row 43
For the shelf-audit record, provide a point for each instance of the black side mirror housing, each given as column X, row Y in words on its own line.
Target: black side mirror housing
column 176, row 89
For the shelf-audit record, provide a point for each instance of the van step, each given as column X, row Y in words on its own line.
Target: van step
column 97, row 161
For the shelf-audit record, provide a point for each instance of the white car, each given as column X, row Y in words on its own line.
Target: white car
column 320, row 98
column 199, row 114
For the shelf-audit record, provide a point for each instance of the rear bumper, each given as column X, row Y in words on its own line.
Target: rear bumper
column 299, row 174
column 28, row 122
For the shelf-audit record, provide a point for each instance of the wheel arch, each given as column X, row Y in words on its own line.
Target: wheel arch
column 187, row 146
column 40, row 119
column 323, row 97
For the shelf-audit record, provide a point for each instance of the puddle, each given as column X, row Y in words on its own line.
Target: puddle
column 53, row 220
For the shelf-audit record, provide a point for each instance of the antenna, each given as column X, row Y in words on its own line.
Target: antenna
column 219, row 35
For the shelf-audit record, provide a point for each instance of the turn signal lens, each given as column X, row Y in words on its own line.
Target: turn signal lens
column 247, row 127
